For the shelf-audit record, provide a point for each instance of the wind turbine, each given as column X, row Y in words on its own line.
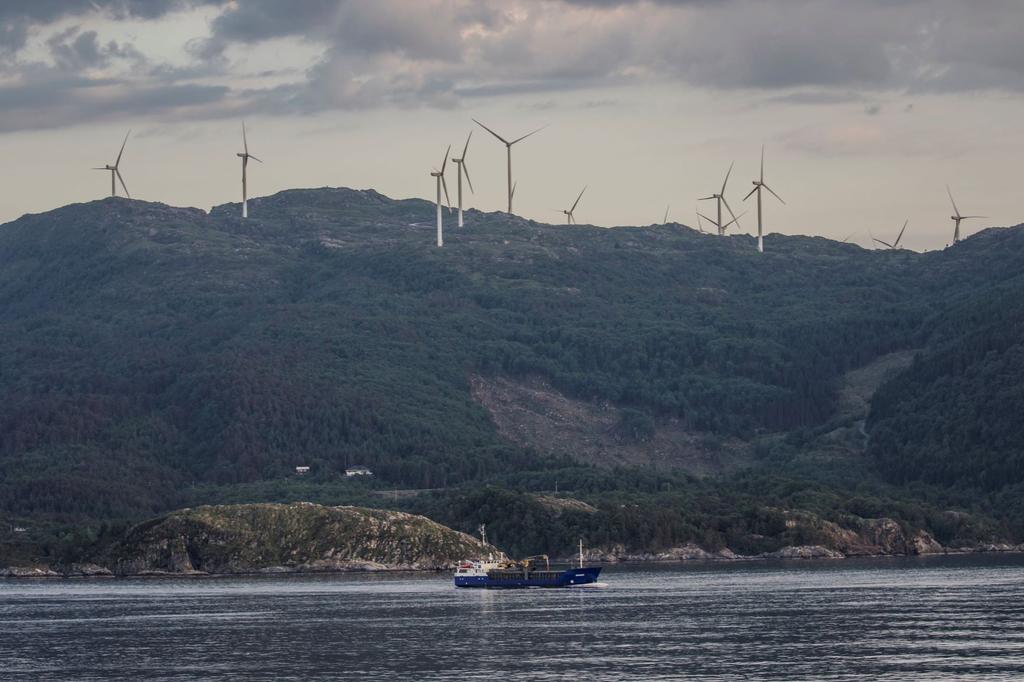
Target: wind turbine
column 439, row 174
column 700, row 225
column 508, row 148
column 758, row 186
column 568, row 214
column 115, row 173
column 461, row 163
column 956, row 217
column 735, row 219
column 720, row 197
column 664, row 221
column 895, row 244
column 245, row 156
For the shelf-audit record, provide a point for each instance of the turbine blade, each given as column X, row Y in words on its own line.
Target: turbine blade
column 965, row 217
column 466, row 148
column 950, row 193
column 773, row 192
column 905, row 223
column 512, row 194
column 518, row 139
column 729, row 172
column 445, row 162
column 884, row 243
column 253, row 158
column 123, row 186
column 490, row 131
column 762, row 164
column 706, row 198
column 701, row 215
column 118, row 162
column 665, row 219
column 734, row 218
column 577, row 199
column 751, row 192
column 465, row 169
column 446, row 199
column 245, row 142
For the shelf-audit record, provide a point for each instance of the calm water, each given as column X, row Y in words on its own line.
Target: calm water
column 956, row 618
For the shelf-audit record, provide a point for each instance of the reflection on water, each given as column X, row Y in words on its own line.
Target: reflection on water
column 938, row 618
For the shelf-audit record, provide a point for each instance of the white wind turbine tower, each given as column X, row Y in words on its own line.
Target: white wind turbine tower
column 758, row 186
column 508, row 148
column 439, row 174
column 956, row 217
column 568, row 214
column 245, row 156
column 720, row 197
column 115, row 173
column 895, row 244
column 461, row 163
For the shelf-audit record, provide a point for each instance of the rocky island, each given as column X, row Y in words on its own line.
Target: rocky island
column 272, row 538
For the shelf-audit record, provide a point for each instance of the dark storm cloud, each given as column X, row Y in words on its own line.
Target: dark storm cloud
column 452, row 49
column 67, row 90
column 74, row 50
column 440, row 52
column 45, row 11
column 264, row 19
column 55, row 100
column 18, row 16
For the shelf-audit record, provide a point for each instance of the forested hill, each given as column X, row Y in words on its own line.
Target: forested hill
column 146, row 350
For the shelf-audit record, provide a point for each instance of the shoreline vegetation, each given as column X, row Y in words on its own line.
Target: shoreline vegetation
column 304, row 538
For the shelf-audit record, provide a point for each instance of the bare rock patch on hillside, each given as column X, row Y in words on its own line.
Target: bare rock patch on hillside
column 534, row 414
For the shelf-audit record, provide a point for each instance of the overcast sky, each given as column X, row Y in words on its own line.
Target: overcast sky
column 867, row 109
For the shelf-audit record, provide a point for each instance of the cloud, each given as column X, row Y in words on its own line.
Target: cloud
column 443, row 53
column 74, row 51
column 18, row 16
column 839, row 139
column 53, row 100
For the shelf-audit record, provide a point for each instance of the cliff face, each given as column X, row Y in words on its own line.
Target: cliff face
column 283, row 538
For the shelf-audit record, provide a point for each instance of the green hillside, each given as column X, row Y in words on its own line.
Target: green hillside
column 152, row 356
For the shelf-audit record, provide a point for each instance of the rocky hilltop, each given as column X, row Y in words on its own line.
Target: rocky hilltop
column 300, row 537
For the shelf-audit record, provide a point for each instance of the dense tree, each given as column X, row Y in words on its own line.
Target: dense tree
column 146, row 351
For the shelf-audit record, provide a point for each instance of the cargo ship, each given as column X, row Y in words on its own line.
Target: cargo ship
column 503, row 573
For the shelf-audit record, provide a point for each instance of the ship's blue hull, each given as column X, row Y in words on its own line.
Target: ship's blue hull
column 568, row 578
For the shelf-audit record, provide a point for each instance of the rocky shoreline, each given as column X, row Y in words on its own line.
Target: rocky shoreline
column 684, row 554
column 800, row 552
column 304, row 538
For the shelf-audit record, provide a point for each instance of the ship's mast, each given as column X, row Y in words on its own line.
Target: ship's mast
column 483, row 539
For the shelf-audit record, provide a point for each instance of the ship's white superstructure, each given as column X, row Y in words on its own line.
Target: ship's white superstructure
column 477, row 568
